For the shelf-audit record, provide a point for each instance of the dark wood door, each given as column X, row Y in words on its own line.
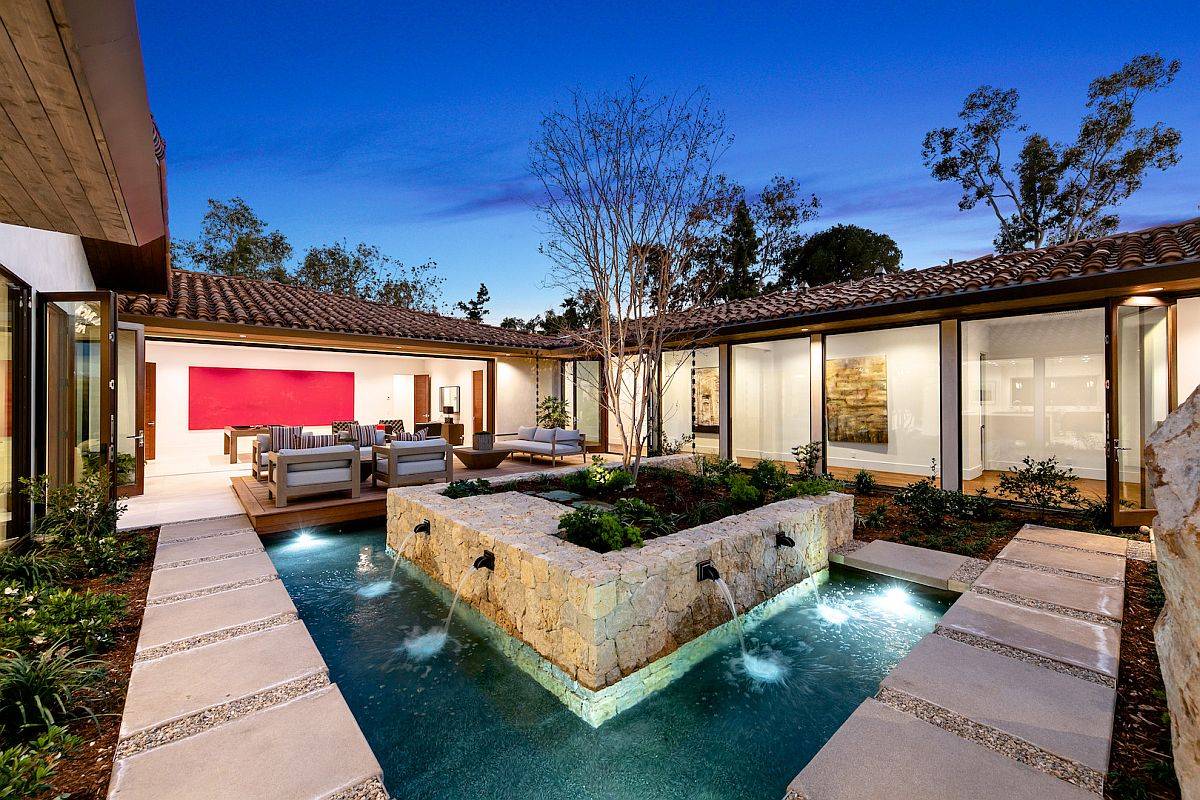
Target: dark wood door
column 151, row 409
column 421, row 398
column 131, row 410
column 477, row 401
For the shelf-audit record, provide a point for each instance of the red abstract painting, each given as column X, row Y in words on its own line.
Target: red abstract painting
column 220, row 396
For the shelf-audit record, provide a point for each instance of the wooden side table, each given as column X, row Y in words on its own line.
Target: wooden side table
column 480, row 459
column 233, row 433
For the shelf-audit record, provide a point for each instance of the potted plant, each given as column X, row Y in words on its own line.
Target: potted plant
column 483, row 440
column 552, row 413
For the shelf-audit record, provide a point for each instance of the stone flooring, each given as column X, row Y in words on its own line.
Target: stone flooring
column 229, row 696
column 1013, row 695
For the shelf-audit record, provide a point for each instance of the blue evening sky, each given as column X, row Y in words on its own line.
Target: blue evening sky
column 408, row 125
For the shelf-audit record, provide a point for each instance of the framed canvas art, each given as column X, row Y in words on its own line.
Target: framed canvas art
column 856, row 399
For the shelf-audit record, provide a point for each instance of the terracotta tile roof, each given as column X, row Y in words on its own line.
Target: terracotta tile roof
column 203, row 297
column 1158, row 246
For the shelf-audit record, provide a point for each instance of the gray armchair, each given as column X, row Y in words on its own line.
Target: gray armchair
column 316, row 470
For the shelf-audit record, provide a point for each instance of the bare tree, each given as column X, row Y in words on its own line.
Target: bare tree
column 629, row 179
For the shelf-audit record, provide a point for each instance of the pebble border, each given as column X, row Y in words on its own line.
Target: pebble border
column 183, row 539
column 1028, row 658
column 201, row 721
column 1139, row 551
column 1042, row 605
column 969, row 571
column 170, row 648
column 993, row 739
column 850, row 547
column 1071, row 547
column 224, row 587
column 206, row 559
column 370, row 789
column 1065, row 573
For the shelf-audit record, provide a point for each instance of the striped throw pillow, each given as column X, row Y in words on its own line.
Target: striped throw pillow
column 364, row 435
column 285, row 437
column 416, row 436
column 392, row 426
column 318, row 440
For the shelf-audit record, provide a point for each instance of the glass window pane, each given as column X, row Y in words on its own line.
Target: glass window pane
column 8, row 489
column 1033, row 386
column 73, row 391
column 882, row 404
column 1142, row 401
column 127, row 422
column 691, row 413
column 770, row 399
column 582, row 381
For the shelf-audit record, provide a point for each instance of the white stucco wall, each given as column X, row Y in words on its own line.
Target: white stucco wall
column 771, row 398
column 376, row 396
column 47, row 261
column 1187, row 334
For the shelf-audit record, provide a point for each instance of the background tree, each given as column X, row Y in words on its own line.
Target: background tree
column 841, row 253
column 418, row 287
column 363, row 271
column 578, row 311
column 234, row 241
column 476, row 309
column 1056, row 192
column 625, row 177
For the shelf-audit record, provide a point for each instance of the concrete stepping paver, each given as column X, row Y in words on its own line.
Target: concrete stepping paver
column 1097, row 564
column 1064, row 715
column 171, row 552
column 187, row 619
column 1071, row 641
column 916, row 564
column 307, row 748
column 1105, row 599
column 198, row 577
column 192, row 680
column 884, row 753
column 204, row 527
column 1096, row 542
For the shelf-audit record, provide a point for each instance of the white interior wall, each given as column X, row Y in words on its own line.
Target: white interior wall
column 975, row 340
column 771, row 398
column 453, row 372
column 515, row 388
column 677, row 398
column 180, row 451
column 1187, row 332
column 914, row 404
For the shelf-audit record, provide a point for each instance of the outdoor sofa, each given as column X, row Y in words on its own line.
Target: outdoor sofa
column 313, row 470
column 408, row 463
column 554, row 443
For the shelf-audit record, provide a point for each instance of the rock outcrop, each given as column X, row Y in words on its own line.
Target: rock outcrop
column 1173, row 457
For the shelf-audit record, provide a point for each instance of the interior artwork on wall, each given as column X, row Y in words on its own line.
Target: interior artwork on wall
column 220, row 396
column 856, row 407
column 706, row 404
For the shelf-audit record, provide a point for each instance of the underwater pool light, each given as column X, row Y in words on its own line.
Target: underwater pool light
column 896, row 601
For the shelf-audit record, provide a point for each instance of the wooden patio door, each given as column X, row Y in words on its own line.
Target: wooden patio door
column 421, row 398
column 477, row 420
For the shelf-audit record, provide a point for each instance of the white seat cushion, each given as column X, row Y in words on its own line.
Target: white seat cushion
column 309, row 477
column 526, row 434
column 543, row 435
column 339, row 458
column 413, row 467
column 522, row 446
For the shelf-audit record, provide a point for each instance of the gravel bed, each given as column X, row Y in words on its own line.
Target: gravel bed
column 216, row 636
column 1066, row 573
column 1042, row 605
column 205, row 559
column 849, row 547
column 1072, row 548
column 370, row 789
column 969, row 572
column 198, row 537
column 1028, row 658
column 224, row 587
column 1139, row 551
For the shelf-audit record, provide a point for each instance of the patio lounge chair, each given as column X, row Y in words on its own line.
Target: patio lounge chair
column 278, row 438
column 555, row 443
column 412, row 463
column 315, row 470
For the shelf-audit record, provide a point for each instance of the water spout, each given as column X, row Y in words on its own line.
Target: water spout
column 428, row 644
column 737, row 620
column 485, row 561
column 707, row 571
column 765, row 668
column 421, row 527
column 783, row 540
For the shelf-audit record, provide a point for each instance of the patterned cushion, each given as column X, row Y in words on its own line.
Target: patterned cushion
column 284, row 437
column 342, row 427
column 392, row 426
column 364, row 435
column 308, row 440
column 418, row 436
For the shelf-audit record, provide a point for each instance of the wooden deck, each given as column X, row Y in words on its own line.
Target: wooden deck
column 337, row 508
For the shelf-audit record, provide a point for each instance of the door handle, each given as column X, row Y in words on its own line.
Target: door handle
column 137, row 436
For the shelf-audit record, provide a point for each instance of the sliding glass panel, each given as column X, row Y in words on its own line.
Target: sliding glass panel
column 77, row 436
column 770, row 399
column 129, row 467
column 691, row 412
column 582, row 380
column 1033, row 386
column 882, row 403
column 1187, row 334
column 1142, row 397
column 11, row 311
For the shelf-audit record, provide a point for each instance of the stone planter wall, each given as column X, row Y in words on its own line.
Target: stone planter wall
column 599, row 617
column 1173, row 456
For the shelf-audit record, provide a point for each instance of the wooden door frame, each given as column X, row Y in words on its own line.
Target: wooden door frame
column 428, row 399
column 150, row 395
column 138, row 485
column 21, row 388
column 108, row 358
column 1119, row 516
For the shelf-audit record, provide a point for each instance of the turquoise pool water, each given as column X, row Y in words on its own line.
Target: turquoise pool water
column 467, row 723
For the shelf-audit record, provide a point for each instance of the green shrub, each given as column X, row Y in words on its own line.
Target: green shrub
column 35, row 567
column 816, row 485
column 672, row 447
column 597, row 530
column 26, row 768
column 457, row 490
column 875, row 518
column 928, row 505
column 712, row 472
column 864, row 482
column 553, row 413
column 79, row 523
column 1042, row 484
column 979, row 506
column 33, row 617
column 1095, row 514
column 770, row 478
column 643, row 516
column 598, row 479
column 42, row 690
column 742, row 493
column 807, row 456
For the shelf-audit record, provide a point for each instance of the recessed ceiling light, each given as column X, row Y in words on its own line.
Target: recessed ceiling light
column 1155, row 289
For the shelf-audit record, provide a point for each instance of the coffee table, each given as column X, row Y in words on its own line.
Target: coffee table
column 480, row 459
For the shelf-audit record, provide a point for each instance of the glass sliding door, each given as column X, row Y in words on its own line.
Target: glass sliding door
column 690, row 411
column 129, row 468
column 78, row 356
column 1142, row 399
column 14, row 405
column 581, row 384
column 771, row 399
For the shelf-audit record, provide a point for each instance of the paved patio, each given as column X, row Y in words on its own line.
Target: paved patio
column 1014, row 693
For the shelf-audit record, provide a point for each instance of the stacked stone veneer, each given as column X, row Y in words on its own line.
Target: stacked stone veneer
column 600, row 617
column 1173, row 456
